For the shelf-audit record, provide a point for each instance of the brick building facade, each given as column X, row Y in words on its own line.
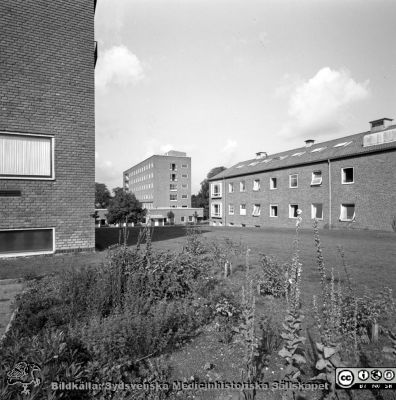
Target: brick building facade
column 47, row 126
column 344, row 183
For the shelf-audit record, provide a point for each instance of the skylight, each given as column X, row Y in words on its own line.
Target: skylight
column 240, row 166
column 266, row 160
column 343, row 144
column 283, row 157
column 298, row 154
column 254, row 163
column 318, row 149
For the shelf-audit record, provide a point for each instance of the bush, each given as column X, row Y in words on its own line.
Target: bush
column 272, row 277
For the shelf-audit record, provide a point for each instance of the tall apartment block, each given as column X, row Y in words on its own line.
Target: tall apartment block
column 47, row 126
column 161, row 183
column 342, row 183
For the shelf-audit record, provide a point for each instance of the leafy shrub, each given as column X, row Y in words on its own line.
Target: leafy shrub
column 272, row 277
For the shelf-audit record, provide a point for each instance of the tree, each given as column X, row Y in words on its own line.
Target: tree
column 124, row 207
column 171, row 216
column 201, row 200
column 102, row 195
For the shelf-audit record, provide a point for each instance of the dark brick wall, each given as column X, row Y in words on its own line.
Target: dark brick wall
column 373, row 193
column 47, row 87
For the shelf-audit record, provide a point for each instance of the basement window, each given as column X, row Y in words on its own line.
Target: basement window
column 347, row 212
column 18, row 242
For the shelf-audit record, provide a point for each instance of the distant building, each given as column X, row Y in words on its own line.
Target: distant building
column 348, row 182
column 47, row 126
column 163, row 183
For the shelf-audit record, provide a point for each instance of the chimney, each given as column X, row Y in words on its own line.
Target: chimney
column 380, row 124
column 309, row 142
column 261, row 154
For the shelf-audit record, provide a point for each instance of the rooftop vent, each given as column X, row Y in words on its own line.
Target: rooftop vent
column 380, row 124
column 261, row 154
column 309, row 142
column 174, row 153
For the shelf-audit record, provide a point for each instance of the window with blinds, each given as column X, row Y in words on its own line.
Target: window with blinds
column 26, row 156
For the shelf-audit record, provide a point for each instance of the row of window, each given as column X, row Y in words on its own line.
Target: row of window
column 139, row 188
column 347, row 177
column 173, row 196
column 173, row 186
column 347, row 211
column 140, row 178
column 142, row 169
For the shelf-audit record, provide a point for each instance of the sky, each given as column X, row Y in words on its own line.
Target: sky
column 224, row 79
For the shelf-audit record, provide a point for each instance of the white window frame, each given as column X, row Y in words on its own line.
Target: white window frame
column 173, row 180
column 291, row 208
column 277, row 210
column 256, row 210
column 242, row 186
column 171, row 166
column 182, row 218
column 344, row 205
column 342, row 176
column 316, row 181
column 30, row 253
column 184, row 165
column 256, row 185
column 51, row 177
column 242, row 211
column 170, row 186
column 231, row 209
column 219, row 214
column 231, row 187
column 290, row 180
column 184, row 176
column 184, row 196
column 170, row 197
column 314, row 211
column 272, row 186
column 218, row 193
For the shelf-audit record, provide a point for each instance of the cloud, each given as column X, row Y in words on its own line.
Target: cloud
column 119, row 66
column 105, row 172
column 230, row 146
column 320, row 103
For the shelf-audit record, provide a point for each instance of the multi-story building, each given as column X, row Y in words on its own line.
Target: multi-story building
column 163, row 183
column 47, row 126
column 344, row 183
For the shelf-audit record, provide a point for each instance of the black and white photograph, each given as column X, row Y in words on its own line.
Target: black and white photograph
column 197, row 200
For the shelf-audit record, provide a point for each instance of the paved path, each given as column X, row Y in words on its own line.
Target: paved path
column 9, row 288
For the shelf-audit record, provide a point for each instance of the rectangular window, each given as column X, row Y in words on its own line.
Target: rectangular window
column 173, row 177
column 184, row 206
column 242, row 186
column 182, row 219
column 173, row 197
column 316, row 178
column 231, row 187
column 317, row 211
column 184, row 185
column 184, row 176
column 293, row 210
column 347, row 212
column 256, row 185
column 256, row 210
column 27, row 241
column 173, row 187
column 215, row 189
column 273, row 183
column 293, row 180
column 273, row 210
column 231, row 209
column 173, row 167
column 347, row 176
column 26, row 156
column 216, row 210
column 190, row 218
column 242, row 209
column 184, row 196
column 184, row 166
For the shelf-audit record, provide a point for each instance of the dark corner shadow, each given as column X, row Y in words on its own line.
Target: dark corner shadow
column 105, row 237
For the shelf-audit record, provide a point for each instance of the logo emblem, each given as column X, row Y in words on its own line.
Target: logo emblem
column 389, row 375
column 376, row 374
column 345, row 378
column 363, row 375
column 24, row 374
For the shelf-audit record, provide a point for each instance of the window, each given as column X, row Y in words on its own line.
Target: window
column 26, row 156
column 173, row 167
column 342, row 144
column 256, row 185
column 347, row 176
column 215, row 189
column 184, row 185
column 317, row 211
column 182, row 219
column 242, row 186
column 231, row 209
column 256, row 210
column 231, row 187
column 190, row 218
column 318, row 149
column 316, row 178
column 173, row 186
column 216, row 210
column 184, row 166
column 184, row 196
column 27, row 241
column 273, row 210
column 293, row 181
column 273, row 183
column 184, row 176
column 347, row 212
column 242, row 209
column 173, row 177
column 293, row 210
column 173, row 197
column 298, row 154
